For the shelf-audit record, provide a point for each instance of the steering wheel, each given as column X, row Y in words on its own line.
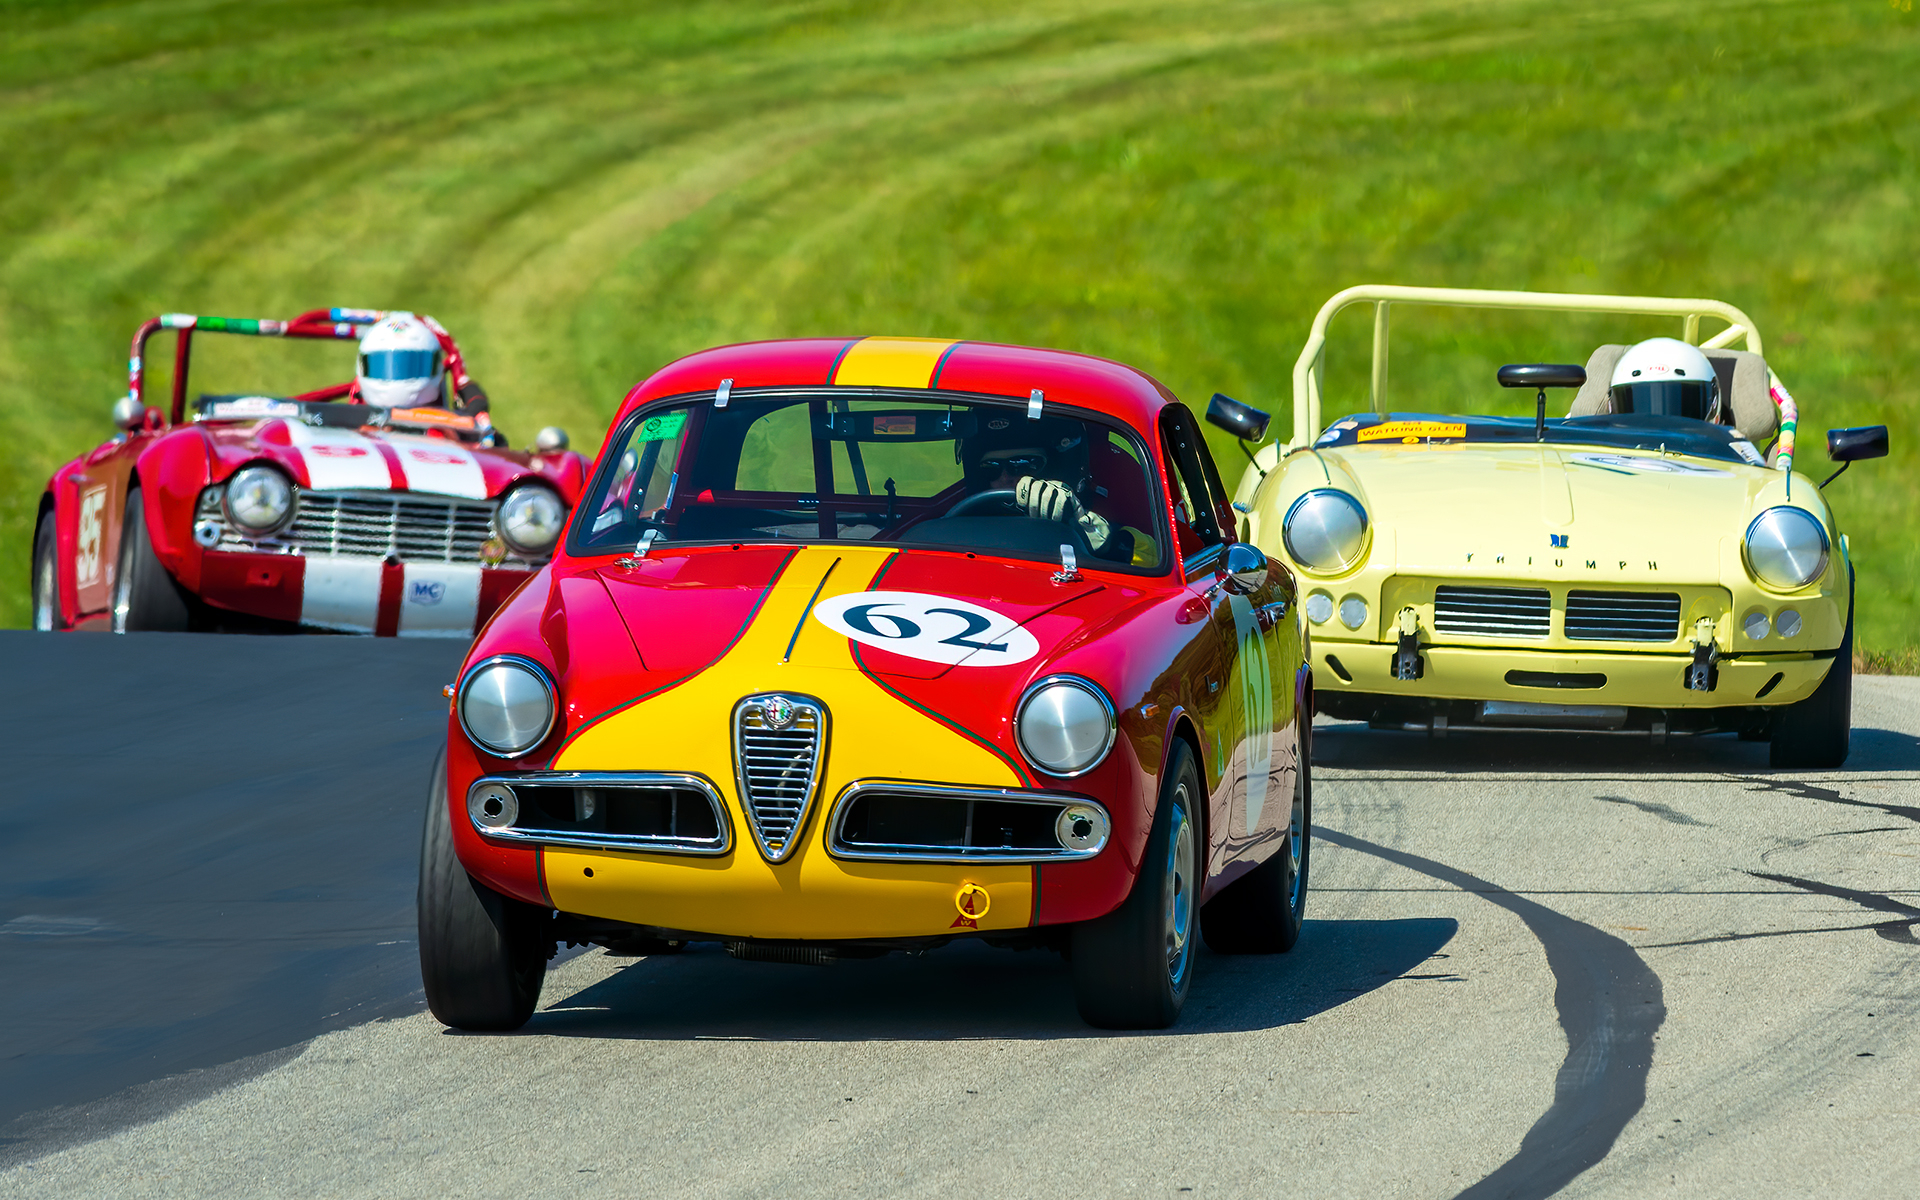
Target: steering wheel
column 999, row 502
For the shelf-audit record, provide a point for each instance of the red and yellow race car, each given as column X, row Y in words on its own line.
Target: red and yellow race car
column 860, row 646
column 318, row 509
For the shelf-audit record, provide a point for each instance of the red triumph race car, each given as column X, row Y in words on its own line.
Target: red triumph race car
column 860, row 646
column 313, row 510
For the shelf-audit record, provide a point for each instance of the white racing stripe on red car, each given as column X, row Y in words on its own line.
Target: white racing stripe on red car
column 338, row 459
column 437, row 465
column 344, row 593
column 439, row 600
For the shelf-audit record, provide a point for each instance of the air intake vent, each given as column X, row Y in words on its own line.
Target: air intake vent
column 1623, row 616
column 1493, row 612
column 776, row 758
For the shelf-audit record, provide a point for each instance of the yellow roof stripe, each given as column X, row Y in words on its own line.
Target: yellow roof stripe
column 890, row 362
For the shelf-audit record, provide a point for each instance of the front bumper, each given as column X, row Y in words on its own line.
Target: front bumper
column 352, row 594
column 1631, row 680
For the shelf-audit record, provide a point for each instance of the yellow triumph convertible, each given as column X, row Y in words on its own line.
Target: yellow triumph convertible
column 1651, row 561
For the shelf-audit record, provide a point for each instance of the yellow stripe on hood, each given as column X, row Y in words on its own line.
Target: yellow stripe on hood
column 871, row 735
column 891, row 362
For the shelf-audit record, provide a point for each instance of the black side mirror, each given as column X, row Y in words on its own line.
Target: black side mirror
column 1243, row 421
column 1849, row 446
column 1541, row 376
column 1852, row 445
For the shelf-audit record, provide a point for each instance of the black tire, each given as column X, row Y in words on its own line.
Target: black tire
column 1818, row 731
column 1132, row 968
column 46, row 582
column 146, row 599
column 1262, row 911
column 483, row 956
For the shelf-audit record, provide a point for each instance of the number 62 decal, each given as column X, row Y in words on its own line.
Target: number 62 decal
column 932, row 628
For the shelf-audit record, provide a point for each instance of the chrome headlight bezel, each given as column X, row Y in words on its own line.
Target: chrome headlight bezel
column 522, row 742
column 272, row 478
column 1086, row 761
column 1350, row 547
column 524, row 494
column 1768, row 561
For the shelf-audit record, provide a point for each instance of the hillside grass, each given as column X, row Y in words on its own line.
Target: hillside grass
column 584, row 191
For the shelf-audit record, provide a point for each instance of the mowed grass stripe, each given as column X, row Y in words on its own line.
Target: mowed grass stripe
column 586, row 191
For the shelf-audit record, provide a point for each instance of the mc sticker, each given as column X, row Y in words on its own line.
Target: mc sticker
column 426, row 591
column 931, row 628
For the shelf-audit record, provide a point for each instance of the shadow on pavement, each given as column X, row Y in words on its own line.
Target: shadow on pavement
column 970, row 990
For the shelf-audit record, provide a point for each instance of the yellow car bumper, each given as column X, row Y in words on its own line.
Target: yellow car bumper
column 1631, row 680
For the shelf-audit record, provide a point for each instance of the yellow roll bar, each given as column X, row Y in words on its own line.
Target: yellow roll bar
column 1307, row 369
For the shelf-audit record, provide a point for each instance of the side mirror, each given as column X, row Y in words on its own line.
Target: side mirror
column 1852, row 445
column 1849, row 446
column 130, row 414
column 550, row 440
column 1246, row 568
column 1243, row 421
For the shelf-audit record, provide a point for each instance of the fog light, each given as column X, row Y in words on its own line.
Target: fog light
column 1789, row 623
column 493, row 805
column 1353, row 612
column 1756, row 625
column 1319, row 608
column 206, row 531
column 1081, row 827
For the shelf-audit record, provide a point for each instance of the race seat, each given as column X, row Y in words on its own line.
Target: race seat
column 1743, row 383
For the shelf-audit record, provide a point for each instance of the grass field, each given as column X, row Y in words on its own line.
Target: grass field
column 583, row 191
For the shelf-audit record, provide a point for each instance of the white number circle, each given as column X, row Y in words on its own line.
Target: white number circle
column 931, row 628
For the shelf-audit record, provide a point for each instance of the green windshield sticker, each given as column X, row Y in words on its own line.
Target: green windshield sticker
column 661, row 428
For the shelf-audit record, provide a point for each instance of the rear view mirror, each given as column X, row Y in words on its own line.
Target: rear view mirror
column 1542, row 375
column 1243, row 421
column 1852, row 445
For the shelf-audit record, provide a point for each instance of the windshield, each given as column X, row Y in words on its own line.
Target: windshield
column 971, row 475
column 1619, row 431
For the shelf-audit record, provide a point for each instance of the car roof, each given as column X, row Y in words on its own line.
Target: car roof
column 932, row 364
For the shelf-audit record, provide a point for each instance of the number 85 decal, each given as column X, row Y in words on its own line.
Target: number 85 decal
column 932, row 628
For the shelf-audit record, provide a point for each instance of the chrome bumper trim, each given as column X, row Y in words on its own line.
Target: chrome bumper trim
column 907, row 852
column 631, row 780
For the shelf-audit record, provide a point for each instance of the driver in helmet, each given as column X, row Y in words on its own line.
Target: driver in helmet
column 1044, row 465
column 403, row 363
column 1665, row 377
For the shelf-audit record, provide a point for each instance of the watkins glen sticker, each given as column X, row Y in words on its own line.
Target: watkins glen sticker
column 931, row 628
column 1411, row 431
column 1634, row 464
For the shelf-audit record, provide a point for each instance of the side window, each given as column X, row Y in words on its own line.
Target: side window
column 1196, row 516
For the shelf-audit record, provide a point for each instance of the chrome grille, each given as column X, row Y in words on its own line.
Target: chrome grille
column 1493, row 612
column 1623, row 616
column 407, row 526
column 776, row 759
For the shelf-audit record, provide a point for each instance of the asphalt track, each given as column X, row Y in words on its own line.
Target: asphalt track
column 1536, row 965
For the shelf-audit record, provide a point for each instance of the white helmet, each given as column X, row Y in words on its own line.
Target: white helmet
column 401, row 363
column 1665, row 377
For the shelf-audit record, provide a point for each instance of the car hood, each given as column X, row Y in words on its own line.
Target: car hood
column 329, row 459
column 903, row 613
column 1437, row 509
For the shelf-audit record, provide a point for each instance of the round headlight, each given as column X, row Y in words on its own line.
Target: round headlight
column 1786, row 548
column 1325, row 531
column 259, row 499
column 1065, row 725
column 506, row 705
column 530, row 519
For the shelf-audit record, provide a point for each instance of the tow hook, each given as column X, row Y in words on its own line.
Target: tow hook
column 1703, row 673
column 1407, row 663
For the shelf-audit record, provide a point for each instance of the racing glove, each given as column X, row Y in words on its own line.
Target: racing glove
column 1050, row 500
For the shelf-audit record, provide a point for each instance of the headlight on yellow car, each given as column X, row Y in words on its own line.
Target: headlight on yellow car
column 1786, row 548
column 1325, row 531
